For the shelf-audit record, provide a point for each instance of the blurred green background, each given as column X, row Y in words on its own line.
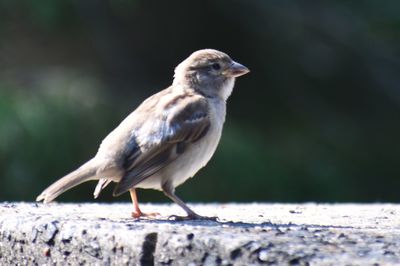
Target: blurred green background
column 317, row 119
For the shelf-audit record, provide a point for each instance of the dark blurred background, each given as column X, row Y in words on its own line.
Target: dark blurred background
column 317, row 119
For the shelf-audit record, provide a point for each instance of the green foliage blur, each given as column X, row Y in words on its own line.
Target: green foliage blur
column 317, row 119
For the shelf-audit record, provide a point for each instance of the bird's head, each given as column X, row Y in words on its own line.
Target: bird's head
column 210, row 72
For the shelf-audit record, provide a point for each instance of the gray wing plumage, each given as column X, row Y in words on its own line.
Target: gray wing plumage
column 163, row 139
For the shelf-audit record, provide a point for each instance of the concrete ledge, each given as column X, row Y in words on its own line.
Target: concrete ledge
column 271, row 234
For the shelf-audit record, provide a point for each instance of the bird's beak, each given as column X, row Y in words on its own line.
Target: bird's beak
column 236, row 70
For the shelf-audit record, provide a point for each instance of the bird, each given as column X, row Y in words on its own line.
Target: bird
column 167, row 139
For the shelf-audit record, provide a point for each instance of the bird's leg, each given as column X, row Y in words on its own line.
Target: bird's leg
column 191, row 215
column 137, row 213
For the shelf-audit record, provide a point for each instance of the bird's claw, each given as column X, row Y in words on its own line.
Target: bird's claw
column 149, row 215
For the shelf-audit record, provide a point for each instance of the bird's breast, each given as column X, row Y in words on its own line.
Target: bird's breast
column 199, row 153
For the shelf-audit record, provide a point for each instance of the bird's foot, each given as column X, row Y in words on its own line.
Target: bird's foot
column 148, row 215
column 192, row 217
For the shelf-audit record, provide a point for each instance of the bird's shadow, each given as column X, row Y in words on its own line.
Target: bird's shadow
column 232, row 224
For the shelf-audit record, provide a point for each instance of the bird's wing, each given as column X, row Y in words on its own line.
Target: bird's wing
column 162, row 140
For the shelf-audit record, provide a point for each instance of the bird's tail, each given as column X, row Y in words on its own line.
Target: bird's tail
column 84, row 173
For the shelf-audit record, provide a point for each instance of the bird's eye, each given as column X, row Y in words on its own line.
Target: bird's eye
column 216, row 66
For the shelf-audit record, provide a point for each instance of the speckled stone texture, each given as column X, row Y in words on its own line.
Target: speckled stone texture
column 247, row 234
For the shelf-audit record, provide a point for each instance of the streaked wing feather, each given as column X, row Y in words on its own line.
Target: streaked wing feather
column 186, row 124
column 146, row 168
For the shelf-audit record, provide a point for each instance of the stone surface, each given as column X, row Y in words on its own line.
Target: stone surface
column 247, row 234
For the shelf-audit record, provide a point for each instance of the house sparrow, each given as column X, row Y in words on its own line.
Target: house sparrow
column 168, row 138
